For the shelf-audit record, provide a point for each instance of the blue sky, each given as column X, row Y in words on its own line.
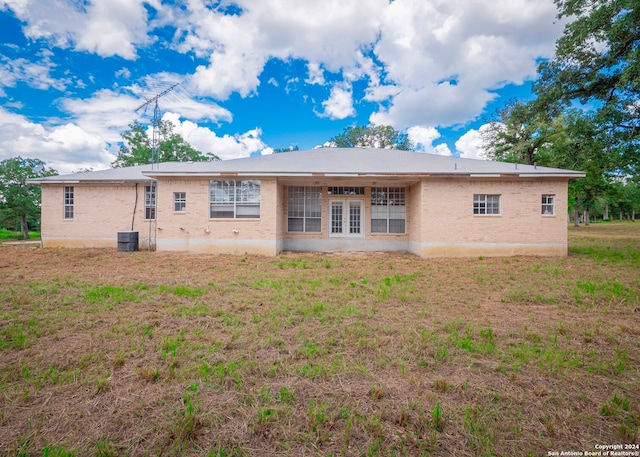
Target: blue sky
column 257, row 75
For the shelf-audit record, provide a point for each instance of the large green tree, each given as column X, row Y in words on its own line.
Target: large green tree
column 597, row 64
column 521, row 133
column 583, row 145
column 137, row 147
column 20, row 201
column 372, row 136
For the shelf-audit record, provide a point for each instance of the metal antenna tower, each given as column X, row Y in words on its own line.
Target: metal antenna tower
column 154, row 161
column 156, row 122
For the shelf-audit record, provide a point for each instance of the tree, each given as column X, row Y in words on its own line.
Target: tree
column 18, row 200
column 597, row 63
column 378, row 136
column 137, row 148
column 521, row 133
column 289, row 149
column 584, row 145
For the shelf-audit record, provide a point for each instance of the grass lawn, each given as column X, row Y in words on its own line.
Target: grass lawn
column 8, row 235
column 108, row 354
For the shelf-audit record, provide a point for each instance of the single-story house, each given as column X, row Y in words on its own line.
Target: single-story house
column 325, row 200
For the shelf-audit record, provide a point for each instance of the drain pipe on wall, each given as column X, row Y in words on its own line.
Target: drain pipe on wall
column 135, row 207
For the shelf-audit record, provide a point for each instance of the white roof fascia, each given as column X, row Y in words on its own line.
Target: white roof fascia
column 39, row 181
column 230, row 174
column 553, row 175
column 274, row 174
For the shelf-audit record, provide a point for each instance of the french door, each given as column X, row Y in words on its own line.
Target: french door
column 346, row 218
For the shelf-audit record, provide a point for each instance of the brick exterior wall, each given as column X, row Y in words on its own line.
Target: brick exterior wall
column 194, row 231
column 100, row 211
column 449, row 227
column 440, row 219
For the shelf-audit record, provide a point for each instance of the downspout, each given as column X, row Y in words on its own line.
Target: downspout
column 135, row 207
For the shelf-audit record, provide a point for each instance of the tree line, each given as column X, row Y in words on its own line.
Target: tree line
column 584, row 113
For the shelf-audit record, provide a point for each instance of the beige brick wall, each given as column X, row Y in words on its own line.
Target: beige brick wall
column 450, row 228
column 100, row 212
column 440, row 220
column 414, row 212
column 194, row 231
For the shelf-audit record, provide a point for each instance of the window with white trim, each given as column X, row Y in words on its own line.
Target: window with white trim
column 485, row 204
column 68, row 202
column 150, row 202
column 179, row 202
column 304, row 209
column 388, row 209
column 342, row 190
column 230, row 199
column 548, row 205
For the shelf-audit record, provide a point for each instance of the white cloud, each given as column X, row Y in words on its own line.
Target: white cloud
column 423, row 138
column 381, row 93
column 315, row 74
column 330, row 34
column 123, row 73
column 339, row 105
column 436, row 63
column 70, row 147
column 447, row 57
column 470, row 145
column 35, row 74
column 441, row 149
column 226, row 146
column 441, row 104
column 108, row 28
column 65, row 148
column 107, row 113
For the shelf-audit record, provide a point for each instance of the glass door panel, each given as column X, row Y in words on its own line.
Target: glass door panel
column 335, row 217
column 346, row 218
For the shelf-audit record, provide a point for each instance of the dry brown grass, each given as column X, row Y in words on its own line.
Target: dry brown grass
column 384, row 354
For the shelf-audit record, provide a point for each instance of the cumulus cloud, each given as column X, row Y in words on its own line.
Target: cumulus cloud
column 330, row 34
column 113, row 28
column 226, row 146
column 470, row 145
column 108, row 112
column 315, row 74
column 423, row 138
column 442, row 104
column 65, row 148
column 339, row 105
column 123, row 73
column 448, row 57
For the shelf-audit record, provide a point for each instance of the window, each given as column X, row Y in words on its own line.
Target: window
column 150, row 202
column 548, row 205
column 486, row 204
column 68, row 202
column 179, row 202
column 345, row 190
column 388, row 209
column 234, row 199
column 304, row 209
